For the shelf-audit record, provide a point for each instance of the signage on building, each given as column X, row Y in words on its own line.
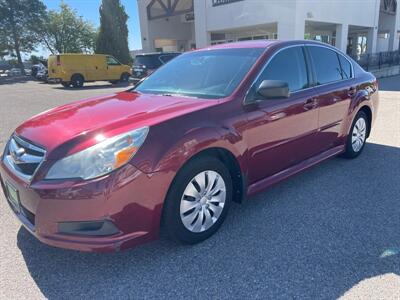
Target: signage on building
column 223, row 2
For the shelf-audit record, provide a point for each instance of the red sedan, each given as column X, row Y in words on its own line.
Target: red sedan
column 210, row 127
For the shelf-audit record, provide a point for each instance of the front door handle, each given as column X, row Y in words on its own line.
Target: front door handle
column 310, row 104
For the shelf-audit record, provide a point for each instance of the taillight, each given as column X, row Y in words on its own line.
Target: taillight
column 58, row 60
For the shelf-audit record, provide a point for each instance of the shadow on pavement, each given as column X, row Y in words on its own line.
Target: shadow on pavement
column 15, row 79
column 315, row 235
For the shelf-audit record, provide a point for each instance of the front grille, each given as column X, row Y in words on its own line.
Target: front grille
column 23, row 158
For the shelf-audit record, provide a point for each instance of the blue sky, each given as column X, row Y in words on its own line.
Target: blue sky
column 89, row 10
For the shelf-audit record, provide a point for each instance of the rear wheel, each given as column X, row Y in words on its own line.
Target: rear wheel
column 77, row 81
column 198, row 200
column 125, row 77
column 65, row 84
column 357, row 136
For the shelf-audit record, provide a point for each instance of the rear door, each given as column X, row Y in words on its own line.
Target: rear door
column 282, row 132
column 334, row 90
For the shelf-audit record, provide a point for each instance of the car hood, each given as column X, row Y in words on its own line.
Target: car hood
column 77, row 123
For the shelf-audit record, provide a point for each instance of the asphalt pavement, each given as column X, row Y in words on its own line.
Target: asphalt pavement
column 332, row 231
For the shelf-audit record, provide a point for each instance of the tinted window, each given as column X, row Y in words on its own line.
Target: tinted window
column 202, row 74
column 326, row 64
column 346, row 67
column 150, row 61
column 289, row 66
column 167, row 57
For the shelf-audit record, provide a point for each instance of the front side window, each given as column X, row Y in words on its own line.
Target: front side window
column 287, row 65
column 326, row 64
column 111, row 61
column 204, row 74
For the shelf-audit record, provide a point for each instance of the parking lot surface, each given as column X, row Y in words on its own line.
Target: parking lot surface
column 332, row 231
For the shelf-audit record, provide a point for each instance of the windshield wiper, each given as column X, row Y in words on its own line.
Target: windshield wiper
column 178, row 95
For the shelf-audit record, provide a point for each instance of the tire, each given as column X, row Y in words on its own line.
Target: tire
column 189, row 219
column 65, row 84
column 125, row 77
column 357, row 136
column 77, row 81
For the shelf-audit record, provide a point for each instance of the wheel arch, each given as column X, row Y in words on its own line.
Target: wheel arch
column 231, row 163
column 77, row 74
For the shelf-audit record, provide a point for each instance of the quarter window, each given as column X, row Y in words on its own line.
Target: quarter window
column 289, row 66
column 346, row 67
column 326, row 64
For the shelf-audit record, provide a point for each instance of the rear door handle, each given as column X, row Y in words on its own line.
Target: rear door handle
column 352, row 91
column 310, row 104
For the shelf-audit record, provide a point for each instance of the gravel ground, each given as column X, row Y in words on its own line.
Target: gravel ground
column 332, row 231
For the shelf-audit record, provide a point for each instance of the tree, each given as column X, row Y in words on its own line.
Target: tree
column 113, row 34
column 20, row 26
column 66, row 32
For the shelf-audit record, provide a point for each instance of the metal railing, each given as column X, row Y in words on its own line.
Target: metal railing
column 379, row 60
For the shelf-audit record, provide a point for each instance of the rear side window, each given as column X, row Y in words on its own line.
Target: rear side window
column 346, row 67
column 288, row 65
column 326, row 64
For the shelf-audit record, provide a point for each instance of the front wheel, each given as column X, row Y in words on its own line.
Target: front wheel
column 357, row 136
column 124, row 77
column 198, row 200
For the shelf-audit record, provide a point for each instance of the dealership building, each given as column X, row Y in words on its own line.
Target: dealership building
column 354, row 26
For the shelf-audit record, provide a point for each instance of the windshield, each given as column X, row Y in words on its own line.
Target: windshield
column 150, row 61
column 203, row 74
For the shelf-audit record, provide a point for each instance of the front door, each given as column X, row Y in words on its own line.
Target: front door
column 281, row 132
column 113, row 69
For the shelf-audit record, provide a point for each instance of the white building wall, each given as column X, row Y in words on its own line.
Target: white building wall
column 287, row 18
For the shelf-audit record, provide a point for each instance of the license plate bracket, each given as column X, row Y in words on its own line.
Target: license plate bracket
column 13, row 197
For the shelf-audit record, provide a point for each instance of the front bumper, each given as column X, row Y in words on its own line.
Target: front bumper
column 127, row 198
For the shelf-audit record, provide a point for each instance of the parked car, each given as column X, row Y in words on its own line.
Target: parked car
column 37, row 68
column 14, row 72
column 75, row 69
column 42, row 75
column 208, row 128
column 147, row 63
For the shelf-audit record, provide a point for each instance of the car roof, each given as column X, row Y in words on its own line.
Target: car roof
column 265, row 44
column 157, row 53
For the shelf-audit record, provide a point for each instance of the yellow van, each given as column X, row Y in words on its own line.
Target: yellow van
column 75, row 69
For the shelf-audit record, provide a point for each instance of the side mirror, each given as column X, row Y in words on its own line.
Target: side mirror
column 273, row 89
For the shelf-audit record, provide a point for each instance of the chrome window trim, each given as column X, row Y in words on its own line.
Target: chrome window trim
column 310, row 87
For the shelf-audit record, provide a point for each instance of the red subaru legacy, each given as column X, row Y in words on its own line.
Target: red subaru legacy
column 210, row 127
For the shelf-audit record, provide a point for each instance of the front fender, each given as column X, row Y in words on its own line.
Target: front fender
column 172, row 155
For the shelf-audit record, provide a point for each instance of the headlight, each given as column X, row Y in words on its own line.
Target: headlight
column 101, row 158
